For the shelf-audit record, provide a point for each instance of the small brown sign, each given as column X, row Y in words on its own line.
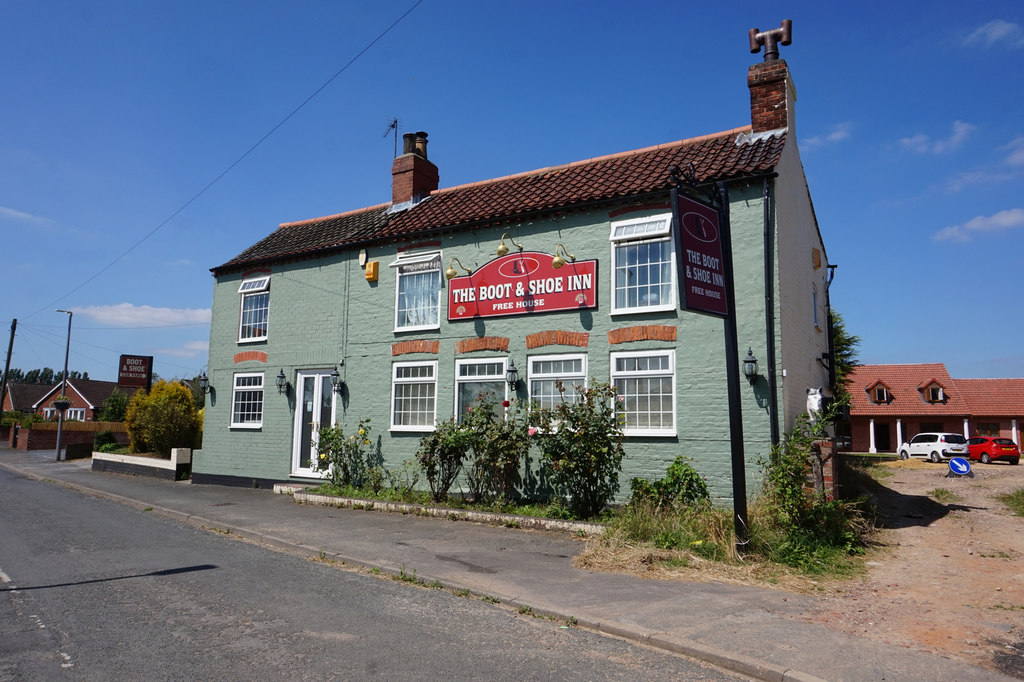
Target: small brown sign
column 135, row 371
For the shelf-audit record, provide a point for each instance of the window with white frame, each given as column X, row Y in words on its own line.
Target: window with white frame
column 418, row 291
column 881, row 394
column 413, row 396
column 75, row 414
column 643, row 264
column 255, row 315
column 935, row 394
column 247, row 401
column 478, row 379
column 645, row 384
column 546, row 370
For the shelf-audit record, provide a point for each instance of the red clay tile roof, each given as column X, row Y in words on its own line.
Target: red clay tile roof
column 993, row 397
column 902, row 382
column 722, row 156
column 964, row 397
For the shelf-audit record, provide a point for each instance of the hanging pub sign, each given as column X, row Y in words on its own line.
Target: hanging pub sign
column 523, row 283
column 699, row 256
column 135, row 371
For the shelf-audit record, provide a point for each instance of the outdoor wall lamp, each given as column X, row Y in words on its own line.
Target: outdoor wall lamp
column 337, row 383
column 204, row 383
column 750, row 367
column 502, row 249
column 559, row 261
column 282, row 382
column 452, row 272
column 511, row 375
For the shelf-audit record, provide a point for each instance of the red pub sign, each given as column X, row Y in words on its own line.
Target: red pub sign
column 135, row 371
column 699, row 257
column 523, row 283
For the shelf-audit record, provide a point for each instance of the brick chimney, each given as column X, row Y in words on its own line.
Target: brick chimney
column 772, row 95
column 412, row 176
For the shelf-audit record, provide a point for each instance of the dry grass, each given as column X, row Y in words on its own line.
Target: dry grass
column 612, row 555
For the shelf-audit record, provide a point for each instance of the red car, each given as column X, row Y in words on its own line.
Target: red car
column 993, row 449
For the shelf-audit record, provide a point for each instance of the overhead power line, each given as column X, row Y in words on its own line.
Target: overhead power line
column 233, row 164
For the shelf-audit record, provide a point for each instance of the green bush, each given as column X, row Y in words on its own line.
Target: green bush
column 164, row 419
column 581, row 448
column 103, row 438
column 346, row 459
column 681, row 485
column 499, row 442
column 114, row 408
column 441, row 454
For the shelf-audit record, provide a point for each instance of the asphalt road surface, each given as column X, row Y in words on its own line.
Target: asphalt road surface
column 94, row 590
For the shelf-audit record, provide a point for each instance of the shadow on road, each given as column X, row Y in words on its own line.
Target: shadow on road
column 164, row 572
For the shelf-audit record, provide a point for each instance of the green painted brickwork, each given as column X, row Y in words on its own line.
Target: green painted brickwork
column 323, row 310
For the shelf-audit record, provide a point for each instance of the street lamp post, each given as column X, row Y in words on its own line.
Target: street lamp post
column 64, row 385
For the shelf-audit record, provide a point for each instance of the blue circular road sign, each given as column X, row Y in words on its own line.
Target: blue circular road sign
column 960, row 466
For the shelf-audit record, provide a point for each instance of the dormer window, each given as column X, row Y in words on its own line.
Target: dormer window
column 935, row 394
column 881, row 394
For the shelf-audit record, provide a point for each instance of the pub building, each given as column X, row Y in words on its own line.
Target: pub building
column 405, row 312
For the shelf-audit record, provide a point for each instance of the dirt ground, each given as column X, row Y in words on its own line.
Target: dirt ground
column 947, row 578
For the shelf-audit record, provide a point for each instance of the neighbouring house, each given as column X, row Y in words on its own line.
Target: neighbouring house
column 86, row 395
column 890, row 404
column 364, row 296
column 23, row 397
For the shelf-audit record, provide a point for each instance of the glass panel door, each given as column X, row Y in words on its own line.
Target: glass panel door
column 315, row 408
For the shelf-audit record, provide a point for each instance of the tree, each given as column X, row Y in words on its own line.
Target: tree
column 844, row 353
column 166, row 418
column 114, row 407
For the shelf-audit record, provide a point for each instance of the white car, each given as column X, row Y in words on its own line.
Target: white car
column 937, row 447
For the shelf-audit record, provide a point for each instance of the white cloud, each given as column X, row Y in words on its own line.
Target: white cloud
column 996, row 31
column 189, row 350
column 922, row 144
column 22, row 217
column 962, row 180
column 838, row 133
column 1004, row 220
column 1016, row 148
column 128, row 315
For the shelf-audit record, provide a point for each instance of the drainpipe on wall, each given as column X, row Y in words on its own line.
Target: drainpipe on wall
column 769, row 309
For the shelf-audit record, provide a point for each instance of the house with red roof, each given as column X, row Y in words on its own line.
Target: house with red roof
column 404, row 312
column 890, row 404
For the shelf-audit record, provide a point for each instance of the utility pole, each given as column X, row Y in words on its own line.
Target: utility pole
column 64, row 385
column 7, row 366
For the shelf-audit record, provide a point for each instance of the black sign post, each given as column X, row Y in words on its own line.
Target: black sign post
column 705, row 274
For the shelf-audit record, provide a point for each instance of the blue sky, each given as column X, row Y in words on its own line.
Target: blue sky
column 116, row 117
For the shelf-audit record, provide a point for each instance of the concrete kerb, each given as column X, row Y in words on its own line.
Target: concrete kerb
column 735, row 662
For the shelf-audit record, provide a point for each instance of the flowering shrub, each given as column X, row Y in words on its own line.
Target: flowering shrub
column 163, row 419
column 581, row 448
column 499, row 440
column 441, row 454
column 345, row 459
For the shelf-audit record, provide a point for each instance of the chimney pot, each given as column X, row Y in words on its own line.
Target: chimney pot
column 408, row 143
column 412, row 175
column 421, row 144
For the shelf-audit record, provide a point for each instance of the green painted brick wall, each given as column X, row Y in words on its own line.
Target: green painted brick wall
column 323, row 310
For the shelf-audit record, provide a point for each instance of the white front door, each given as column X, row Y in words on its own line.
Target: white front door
column 314, row 408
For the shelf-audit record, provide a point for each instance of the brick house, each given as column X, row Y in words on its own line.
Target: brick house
column 890, row 404
column 86, row 395
column 360, row 295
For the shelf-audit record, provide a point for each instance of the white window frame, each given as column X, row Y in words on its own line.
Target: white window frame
column 49, row 412
column 459, row 380
column 236, row 389
column 570, row 380
column 75, row 414
column 626, row 233
column 881, row 394
column 935, row 394
column 417, row 263
column 397, row 381
column 249, row 288
column 625, row 374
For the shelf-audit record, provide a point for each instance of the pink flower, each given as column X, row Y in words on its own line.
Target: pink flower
column 621, row 398
column 533, row 430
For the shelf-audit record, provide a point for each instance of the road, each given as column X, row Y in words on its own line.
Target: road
column 94, row 590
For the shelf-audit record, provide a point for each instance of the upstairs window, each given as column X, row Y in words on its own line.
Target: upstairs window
column 936, row 394
column 643, row 264
column 546, row 370
column 255, row 315
column 418, row 291
column 881, row 394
